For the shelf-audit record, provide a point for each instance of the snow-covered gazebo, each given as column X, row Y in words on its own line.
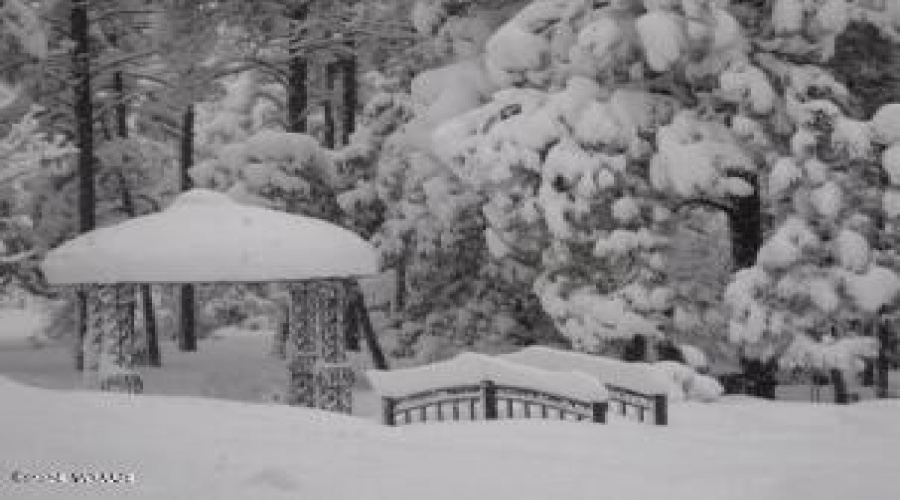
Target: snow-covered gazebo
column 205, row 237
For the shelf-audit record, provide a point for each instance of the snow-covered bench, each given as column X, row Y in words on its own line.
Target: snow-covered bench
column 640, row 390
column 640, row 404
column 473, row 386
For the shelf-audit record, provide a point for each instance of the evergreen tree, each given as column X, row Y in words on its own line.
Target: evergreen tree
column 602, row 121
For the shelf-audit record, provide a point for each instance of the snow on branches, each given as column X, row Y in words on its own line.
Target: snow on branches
column 26, row 150
column 579, row 130
column 22, row 26
column 275, row 169
column 818, row 273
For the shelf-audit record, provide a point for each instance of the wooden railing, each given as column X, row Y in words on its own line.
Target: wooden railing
column 488, row 401
column 638, row 404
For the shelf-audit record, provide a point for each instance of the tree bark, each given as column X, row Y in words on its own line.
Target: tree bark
column 745, row 221
column 349, row 86
column 81, row 312
column 152, row 338
column 330, row 132
column 400, row 281
column 187, row 331
column 84, row 108
column 882, row 367
column 84, row 138
column 154, row 356
column 187, row 149
column 868, row 374
column 841, row 396
column 298, row 69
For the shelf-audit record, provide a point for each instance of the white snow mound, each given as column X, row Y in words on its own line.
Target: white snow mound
column 471, row 368
column 676, row 380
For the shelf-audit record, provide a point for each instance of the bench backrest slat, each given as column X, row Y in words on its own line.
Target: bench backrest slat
column 484, row 401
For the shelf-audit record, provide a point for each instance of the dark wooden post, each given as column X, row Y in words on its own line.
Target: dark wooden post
column 660, row 409
column 598, row 411
column 489, row 400
column 304, row 348
column 364, row 323
column 387, row 411
column 334, row 375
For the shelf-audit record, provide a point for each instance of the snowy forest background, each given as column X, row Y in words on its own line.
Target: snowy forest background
column 714, row 173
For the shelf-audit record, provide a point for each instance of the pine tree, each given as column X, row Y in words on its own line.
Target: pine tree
column 611, row 118
column 807, row 301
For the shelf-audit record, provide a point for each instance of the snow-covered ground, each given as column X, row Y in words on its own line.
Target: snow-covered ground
column 190, row 447
column 202, row 448
column 231, row 364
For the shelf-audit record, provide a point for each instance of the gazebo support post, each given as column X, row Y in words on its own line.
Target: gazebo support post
column 320, row 376
column 303, row 346
column 108, row 356
column 335, row 376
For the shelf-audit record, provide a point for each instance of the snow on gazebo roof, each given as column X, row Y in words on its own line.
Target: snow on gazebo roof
column 205, row 237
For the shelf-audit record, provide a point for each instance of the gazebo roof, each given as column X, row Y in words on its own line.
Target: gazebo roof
column 205, row 237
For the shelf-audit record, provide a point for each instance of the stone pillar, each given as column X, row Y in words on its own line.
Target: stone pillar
column 303, row 346
column 108, row 356
column 334, row 376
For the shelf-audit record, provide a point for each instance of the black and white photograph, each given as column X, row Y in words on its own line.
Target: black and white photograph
column 450, row 249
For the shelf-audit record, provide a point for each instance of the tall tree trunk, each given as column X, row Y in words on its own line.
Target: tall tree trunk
column 154, row 356
column 841, row 396
column 81, row 315
column 84, row 108
column 400, row 280
column 350, row 89
column 187, row 332
column 882, row 367
column 745, row 221
column 152, row 338
column 84, row 138
column 330, row 133
column 298, row 69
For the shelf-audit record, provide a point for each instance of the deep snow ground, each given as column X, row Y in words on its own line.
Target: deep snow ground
column 187, row 448
column 190, row 447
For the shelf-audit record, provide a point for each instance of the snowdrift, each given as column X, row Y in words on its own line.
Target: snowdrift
column 188, row 448
column 472, row 368
column 676, row 380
